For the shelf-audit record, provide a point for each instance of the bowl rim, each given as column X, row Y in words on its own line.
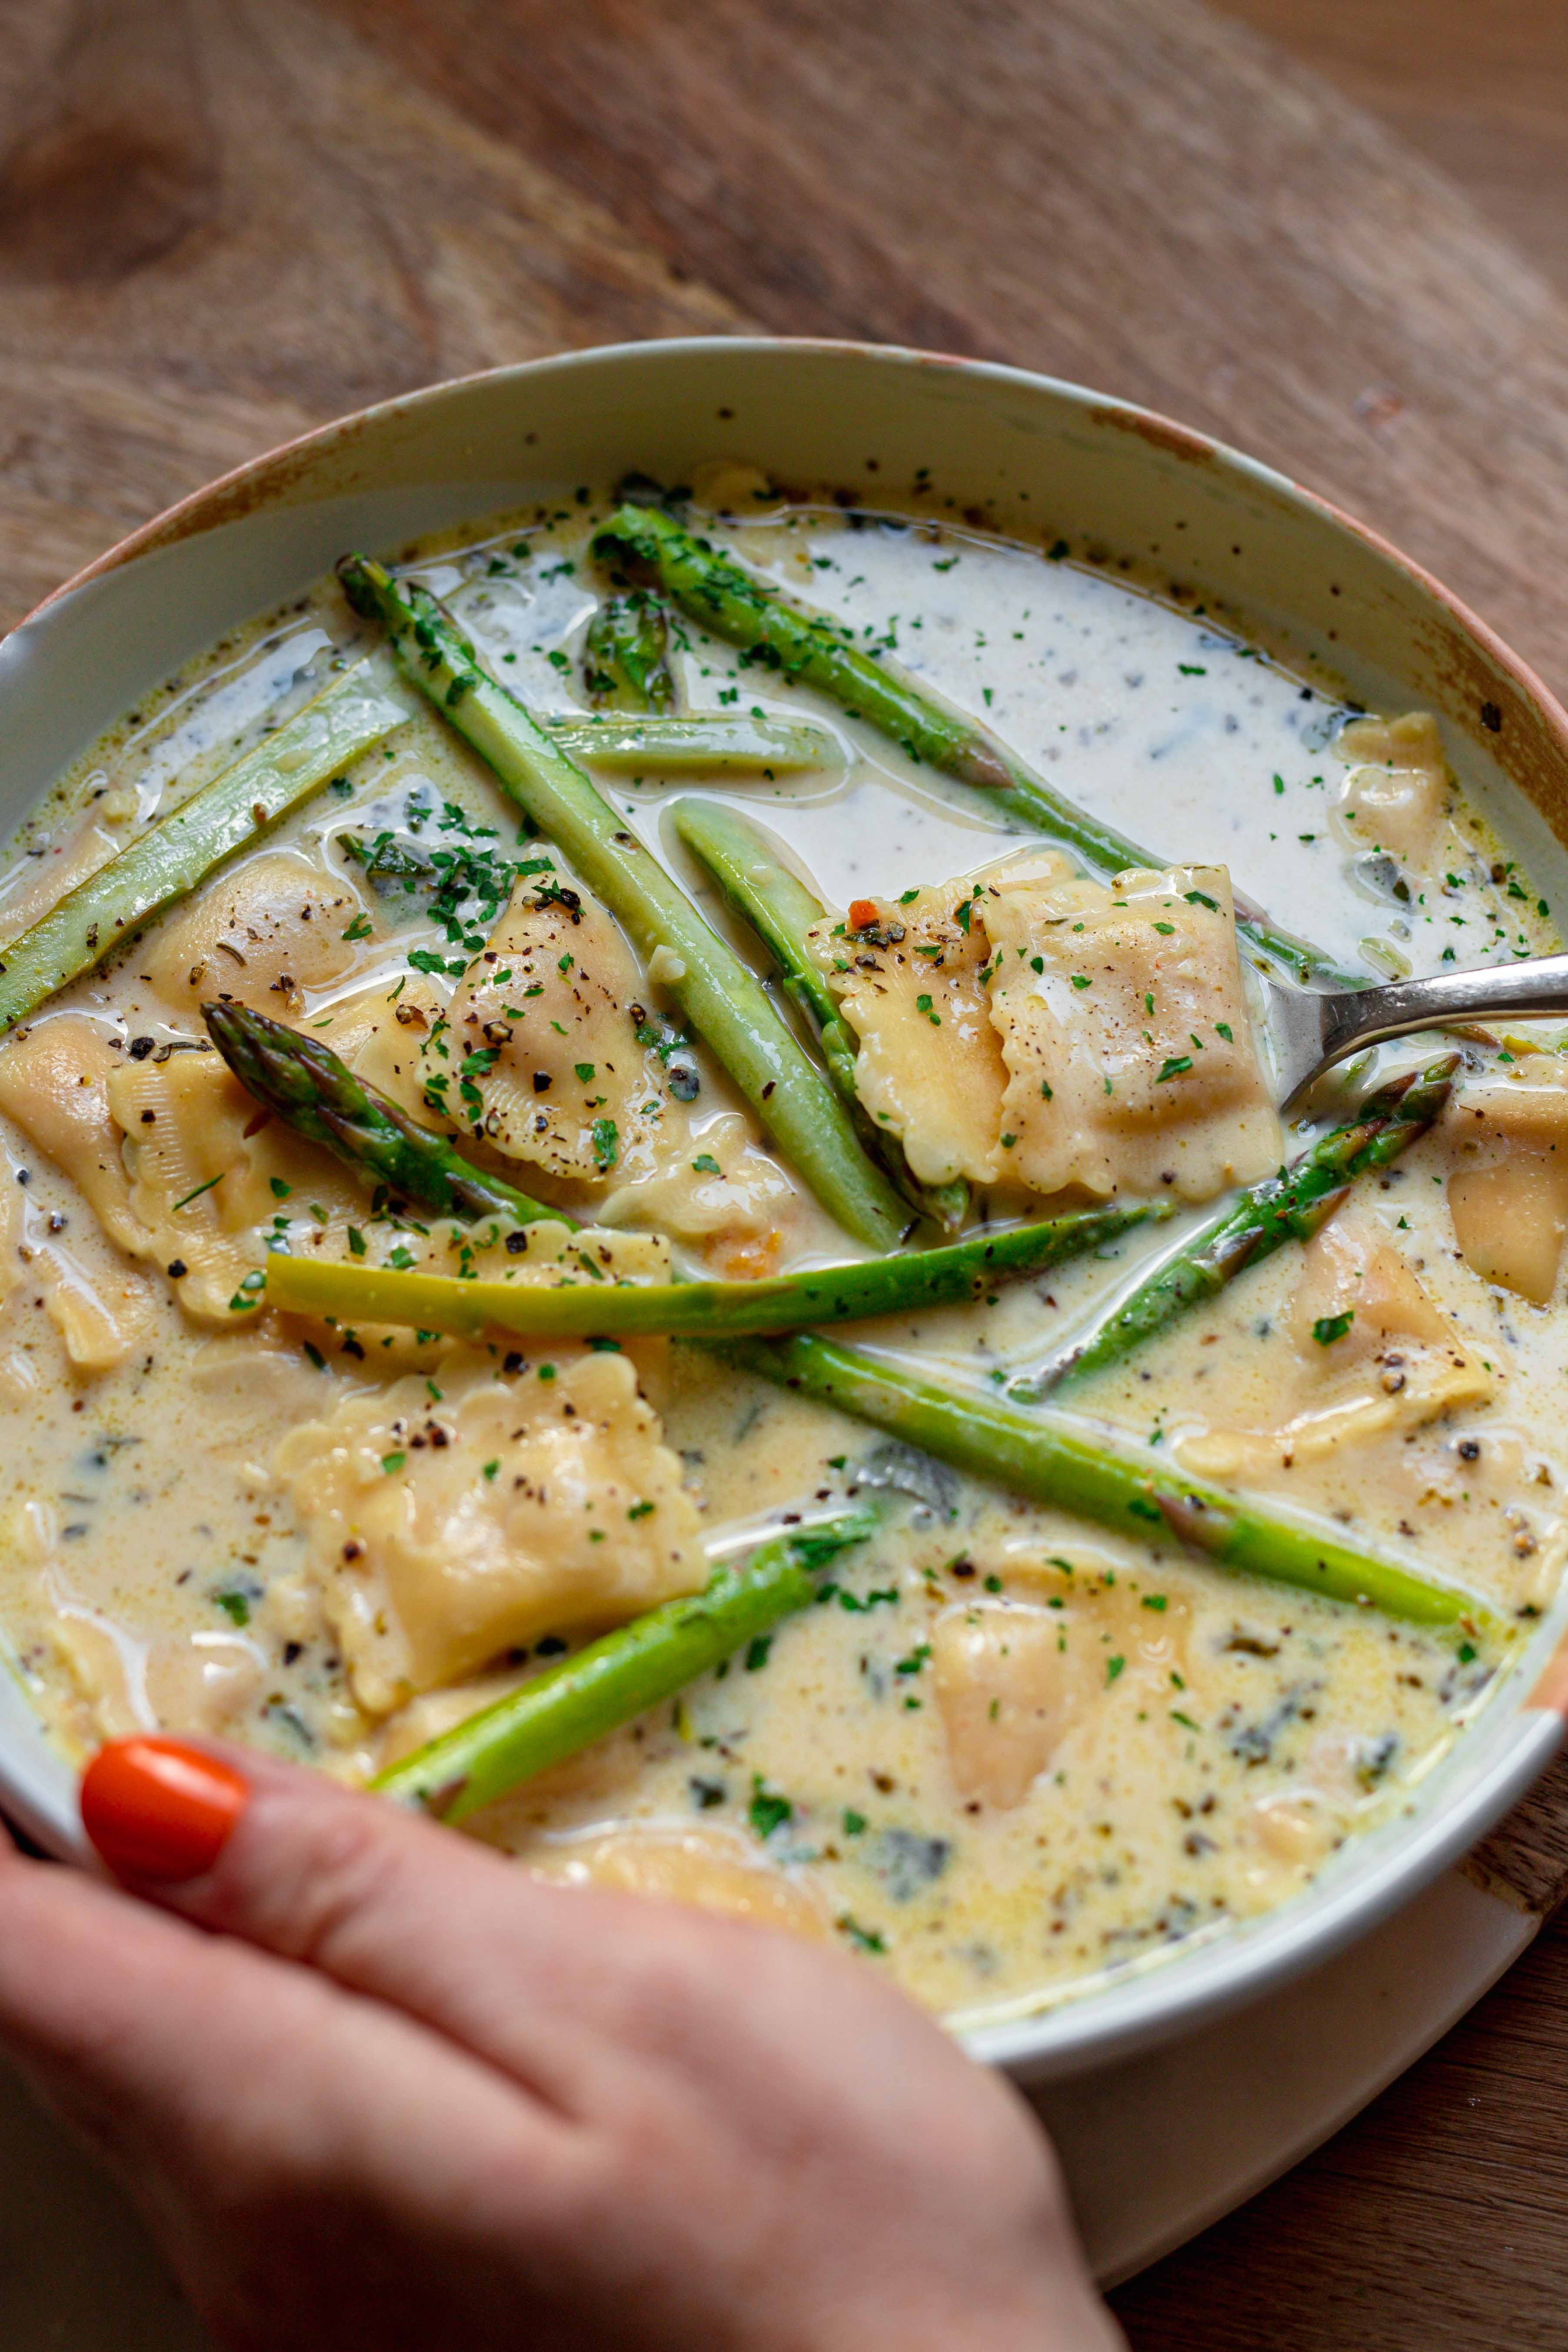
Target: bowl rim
column 227, row 496
column 1115, row 2019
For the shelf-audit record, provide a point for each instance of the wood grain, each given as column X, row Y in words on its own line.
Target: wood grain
column 1132, row 192
column 224, row 220
column 1481, row 91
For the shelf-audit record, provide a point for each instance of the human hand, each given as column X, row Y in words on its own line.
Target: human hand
column 373, row 2087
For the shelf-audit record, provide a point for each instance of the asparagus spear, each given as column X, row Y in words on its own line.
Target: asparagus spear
column 572, row 1705
column 650, row 547
column 171, row 858
column 626, row 656
column 781, row 910
column 908, row 1284
column 774, row 901
column 725, row 1000
column 1053, row 1461
column 1290, row 1206
column 697, row 742
column 626, row 670
column 312, row 1091
column 1066, row 1464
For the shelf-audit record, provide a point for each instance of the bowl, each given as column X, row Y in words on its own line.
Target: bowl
column 1013, row 452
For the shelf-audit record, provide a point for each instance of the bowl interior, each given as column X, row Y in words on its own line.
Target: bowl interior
column 1005, row 450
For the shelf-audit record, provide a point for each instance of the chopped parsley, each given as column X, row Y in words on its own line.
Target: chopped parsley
column 767, row 1811
column 605, row 1136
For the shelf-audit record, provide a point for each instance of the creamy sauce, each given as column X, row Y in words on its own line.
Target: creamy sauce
column 1007, row 1753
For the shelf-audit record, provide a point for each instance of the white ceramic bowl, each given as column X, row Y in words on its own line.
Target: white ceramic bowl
column 1015, row 451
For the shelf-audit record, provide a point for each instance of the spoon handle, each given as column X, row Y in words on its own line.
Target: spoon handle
column 1537, row 985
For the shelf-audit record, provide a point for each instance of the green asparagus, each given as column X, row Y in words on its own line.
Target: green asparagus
column 167, row 862
column 650, row 548
column 697, row 742
column 571, row 1704
column 626, row 656
column 725, row 1001
column 780, row 909
column 775, row 903
column 300, row 1079
column 1290, row 1206
column 907, row 1283
column 1054, row 1461
column 1067, row 1463
column 626, row 674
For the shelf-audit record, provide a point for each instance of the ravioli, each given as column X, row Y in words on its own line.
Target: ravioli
column 1396, row 798
column 33, row 889
column 714, row 1869
column 181, row 1168
column 1015, row 1680
column 447, row 1529
column 725, row 1188
column 1125, row 1031
column 381, row 1033
column 213, row 1178
column 1508, row 1196
column 261, row 936
column 54, row 1084
column 194, row 1683
column 541, row 1054
column 909, row 976
column 1374, row 1353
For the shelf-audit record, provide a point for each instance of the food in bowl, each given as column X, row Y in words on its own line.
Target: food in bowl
column 646, row 1207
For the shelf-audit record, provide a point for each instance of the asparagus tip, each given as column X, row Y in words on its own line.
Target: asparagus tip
column 220, row 1022
column 356, row 578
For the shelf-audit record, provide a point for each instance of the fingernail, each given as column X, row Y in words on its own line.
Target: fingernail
column 158, row 1810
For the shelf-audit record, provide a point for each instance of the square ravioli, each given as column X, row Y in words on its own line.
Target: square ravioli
column 1508, row 1194
column 1131, row 1065
column 448, row 1522
column 1373, row 1352
column 909, row 976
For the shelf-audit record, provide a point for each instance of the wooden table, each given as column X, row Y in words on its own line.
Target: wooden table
column 1333, row 231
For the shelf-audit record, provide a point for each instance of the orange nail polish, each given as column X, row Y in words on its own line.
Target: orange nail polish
column 158, row 1810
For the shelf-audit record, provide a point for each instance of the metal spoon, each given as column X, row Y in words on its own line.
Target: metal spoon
column 1308, row 1032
